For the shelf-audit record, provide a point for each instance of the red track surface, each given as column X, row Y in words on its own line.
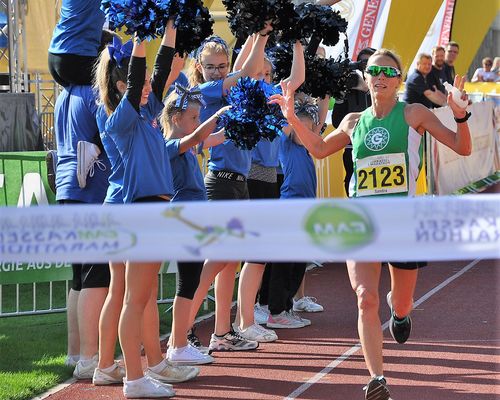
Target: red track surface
column 453, row 352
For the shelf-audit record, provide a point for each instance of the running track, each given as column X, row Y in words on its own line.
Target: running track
column 453, row 352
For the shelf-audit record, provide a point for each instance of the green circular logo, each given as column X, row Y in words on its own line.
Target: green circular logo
column 339, row 226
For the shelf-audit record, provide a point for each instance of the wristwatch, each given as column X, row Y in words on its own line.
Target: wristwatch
column 464, row 119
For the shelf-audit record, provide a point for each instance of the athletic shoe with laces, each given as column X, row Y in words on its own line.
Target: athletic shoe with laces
column 71, row 361
column 87, row 156
column 188, row 355
column 231, row 341
column 307, row 304
column 173, row 373
column 305, row 321
column 146, row 387
column 400, row 328
column 377, row 389
column 194, row 341
column 258, row 333
column 260, row 314
column 85, row 368
column 283, row 320
column 102, row 378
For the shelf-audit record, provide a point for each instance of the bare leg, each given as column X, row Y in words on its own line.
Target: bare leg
column 110, row 315
column 151, row 327
column 139, row 281
column 301, row 291
column 403, row 284
column 365, row 277
column 180, row 321
column 90, row 305
column 249, row 283
column 72, row 320
column 224, row 288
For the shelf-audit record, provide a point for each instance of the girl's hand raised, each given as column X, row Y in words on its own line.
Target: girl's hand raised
column 286, row 100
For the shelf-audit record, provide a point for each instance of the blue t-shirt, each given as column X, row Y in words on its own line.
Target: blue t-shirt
column 415, row 86
column 188, row 179
column 266, row 153
column 225, row 156
column 74, row 121
column 142, row 148
column 298, row 168
column 79, row 29
column 114, row 194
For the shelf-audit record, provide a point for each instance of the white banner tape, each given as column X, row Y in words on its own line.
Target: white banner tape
column 393, row 229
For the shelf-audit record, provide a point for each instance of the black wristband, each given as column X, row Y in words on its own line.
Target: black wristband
column 464, row 119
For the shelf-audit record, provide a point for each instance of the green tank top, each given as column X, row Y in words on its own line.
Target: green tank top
column 387, row 155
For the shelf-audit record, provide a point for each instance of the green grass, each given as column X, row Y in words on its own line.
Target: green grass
column 33, row 348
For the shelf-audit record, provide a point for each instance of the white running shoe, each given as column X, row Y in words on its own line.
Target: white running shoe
column 194, row 341
column 231, row 341
column 305, row 321
column 258, row 333
column 146, row 387
column 71, row 361
column 87, row 156
column 102, row 378
column 260, row 314
column 188, row 355
column 85, row 368
column 307, row 304
column 284, row 320
column 173, row 373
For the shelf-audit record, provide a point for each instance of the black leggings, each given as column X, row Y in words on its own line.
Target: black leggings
column 188, row 278
column 72, row 69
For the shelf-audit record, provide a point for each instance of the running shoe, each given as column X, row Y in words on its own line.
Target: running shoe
column 173, row 373
column 85, row 368
column 305, row 321
column 188, row 355
column 101, row 378
column 231, row 341
column 194, row 341
column 377, row 390
column 284, row 320
column 146, row 387
column 258, row 333
column 87, row 157
column 400, row 328
column 307, row 304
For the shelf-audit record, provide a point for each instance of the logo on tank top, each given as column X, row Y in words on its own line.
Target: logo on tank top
column 377, row 138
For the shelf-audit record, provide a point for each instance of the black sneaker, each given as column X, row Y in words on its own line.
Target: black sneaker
column 194, row 341
column 400, row 328
column 377, row 390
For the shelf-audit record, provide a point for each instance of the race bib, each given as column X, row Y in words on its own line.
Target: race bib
column 381, row 174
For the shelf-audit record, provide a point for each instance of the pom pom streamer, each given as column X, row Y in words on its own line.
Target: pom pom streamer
column 148, row 18
column 251, row 118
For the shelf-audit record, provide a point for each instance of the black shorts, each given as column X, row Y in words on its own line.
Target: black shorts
column 409, row 265
column 86, row 276
column 225, row 189
column 72, row 69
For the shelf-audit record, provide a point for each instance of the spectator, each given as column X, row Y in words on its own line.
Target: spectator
column 438, row 75
column 485, row 74
column 450, row 55
column 357, row 99
column 418, row 89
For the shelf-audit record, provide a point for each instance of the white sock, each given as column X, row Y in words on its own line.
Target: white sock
column 158, row 368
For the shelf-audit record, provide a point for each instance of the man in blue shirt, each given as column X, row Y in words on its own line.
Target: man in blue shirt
column 417, row 88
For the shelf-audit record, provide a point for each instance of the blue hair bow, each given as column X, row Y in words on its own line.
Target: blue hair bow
column 118, row 51
column 186, row 95
column 213, row 38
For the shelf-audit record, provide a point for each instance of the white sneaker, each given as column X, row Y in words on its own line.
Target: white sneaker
column 258, row 333
column 188, row 355
column 260, row 314
column 284, row 320
column 146, row 387
column 71, row 361
column 231, row 341
column 307, row 304
column 305, row 321
column 85, row 368
column 173, row 373
column 102, row 378
column 87, row 155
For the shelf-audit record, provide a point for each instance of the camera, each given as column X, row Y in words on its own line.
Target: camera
column 358, row 65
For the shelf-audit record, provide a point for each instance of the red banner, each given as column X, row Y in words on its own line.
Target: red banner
column 367, row 25
column 445, row 34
